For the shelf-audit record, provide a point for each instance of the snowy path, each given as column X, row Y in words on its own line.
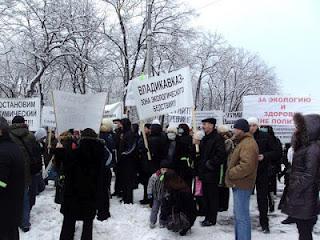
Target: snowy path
column 130, row 222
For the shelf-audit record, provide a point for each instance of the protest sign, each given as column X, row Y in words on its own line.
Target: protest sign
column 278, row 111
column 163, row 94
column 113, row 111
column 230, row 118
column 76, row 111
column 48, row 118
column 29, row 108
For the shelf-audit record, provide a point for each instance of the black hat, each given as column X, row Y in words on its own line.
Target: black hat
column 210, row 120
column 166, row 164
column 18, row 119
column 3, row 124
column 242, row 124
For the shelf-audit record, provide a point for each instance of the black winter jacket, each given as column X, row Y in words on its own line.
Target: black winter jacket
column 302, row 200
column 85, row 192
column 12, row 184
column 212, row 155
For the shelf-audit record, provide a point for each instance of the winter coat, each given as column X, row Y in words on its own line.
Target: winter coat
column 128, row 158
column 18, row 132
column 144, row 165
column 158, row 146
column 212, row 155
column 85, row 189
column 302, row 200
column 156, row 186
column 11, row 184
column 182, row 201
column 269, row 149
column 183, row 160
column 242, row 169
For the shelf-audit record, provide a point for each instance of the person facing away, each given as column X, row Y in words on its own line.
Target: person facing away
column 11, row 184
column 85, row 192
column 302, row 200
column 241, row 176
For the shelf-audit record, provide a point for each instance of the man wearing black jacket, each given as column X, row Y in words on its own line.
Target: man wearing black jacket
column 268, row 152
column 212, row 155
column 11, row 184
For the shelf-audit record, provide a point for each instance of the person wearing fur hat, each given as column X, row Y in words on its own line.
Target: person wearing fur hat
column 85, row 194
column 302, row 201
column 212, row 155
column 268, row 153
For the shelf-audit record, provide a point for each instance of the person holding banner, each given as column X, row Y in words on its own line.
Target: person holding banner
column 212, row 155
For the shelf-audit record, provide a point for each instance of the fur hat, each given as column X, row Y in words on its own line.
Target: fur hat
column 41, row 133
column 253, row 121
column 223, row 129
column 156, row 121
column 106, row 125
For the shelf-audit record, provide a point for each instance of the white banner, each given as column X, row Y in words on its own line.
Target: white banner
column 230, row 118
column 113, row 111
column 184, row 115
column 78, row 111
column 163, row 94
column 48, row 119
column 278, row 111
column 29, row 108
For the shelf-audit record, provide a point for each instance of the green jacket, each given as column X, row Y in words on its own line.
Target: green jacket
column 18, row 131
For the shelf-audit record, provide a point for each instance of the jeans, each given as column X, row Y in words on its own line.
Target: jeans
column 68, row 229
column 25, row 223
column 241, row 210
column 159, row 205
column 34, row 188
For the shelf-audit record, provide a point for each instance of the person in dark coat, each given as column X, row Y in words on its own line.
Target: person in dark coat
column 181, row 203
column 302, row 200
column 11, row 184
column 274, row 167
column 268, row 153
column 144, row 168
column 212, row 155
column 184, row 149
column 85, row 195
column 106, row 133
column 117, row 137
column 20, row 134
column 158, row 146
column 127, row 161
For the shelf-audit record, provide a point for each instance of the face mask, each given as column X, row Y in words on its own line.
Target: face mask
column 180, row 131
column 264, row 130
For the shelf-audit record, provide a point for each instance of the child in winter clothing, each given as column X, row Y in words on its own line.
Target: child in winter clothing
column 156, row 192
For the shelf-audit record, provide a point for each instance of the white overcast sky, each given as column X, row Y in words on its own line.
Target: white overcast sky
column 285, row 33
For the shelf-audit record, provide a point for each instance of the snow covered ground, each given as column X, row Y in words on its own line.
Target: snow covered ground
column 130, row 222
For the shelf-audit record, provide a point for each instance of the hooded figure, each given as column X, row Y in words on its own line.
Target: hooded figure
column 302, row 201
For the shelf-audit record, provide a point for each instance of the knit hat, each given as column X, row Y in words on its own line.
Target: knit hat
column 156, row 121
column 242, row 124
column 18, row 119
column 210, row 120
column 253, row 121
column 41, row 133
column 166, row 164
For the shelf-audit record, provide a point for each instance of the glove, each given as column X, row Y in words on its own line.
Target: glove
column 103, row 215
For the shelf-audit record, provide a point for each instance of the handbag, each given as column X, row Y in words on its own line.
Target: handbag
column 198, row 187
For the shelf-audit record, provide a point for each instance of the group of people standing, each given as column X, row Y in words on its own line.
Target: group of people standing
column 185, row 173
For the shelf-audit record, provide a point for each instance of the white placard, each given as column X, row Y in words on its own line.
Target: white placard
column 113, row 111
column 163, row 94
column 278, row 111
column 230, row 118
column 48, row 118
column 29, row 108
column 201, row 115
column 76, row 111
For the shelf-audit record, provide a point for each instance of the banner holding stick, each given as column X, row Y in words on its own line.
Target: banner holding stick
column 194, row 126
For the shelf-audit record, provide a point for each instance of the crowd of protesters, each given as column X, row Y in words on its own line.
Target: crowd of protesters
column 185, row 173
